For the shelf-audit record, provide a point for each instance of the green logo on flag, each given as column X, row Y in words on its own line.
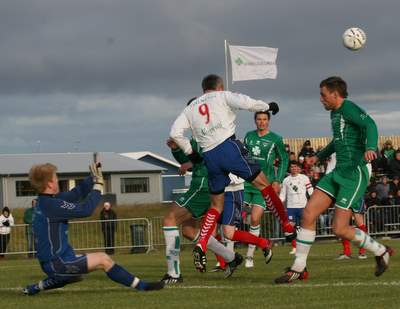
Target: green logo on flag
column 239, row 61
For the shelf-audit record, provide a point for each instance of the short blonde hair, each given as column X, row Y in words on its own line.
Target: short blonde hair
column 40, row 175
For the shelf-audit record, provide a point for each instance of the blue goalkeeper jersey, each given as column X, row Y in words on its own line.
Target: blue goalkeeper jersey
column 51, row 215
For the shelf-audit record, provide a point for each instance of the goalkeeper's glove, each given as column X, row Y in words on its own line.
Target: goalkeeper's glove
column 97, row 176
column 273, row 108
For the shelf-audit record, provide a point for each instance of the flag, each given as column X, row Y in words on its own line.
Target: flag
column 253, row 62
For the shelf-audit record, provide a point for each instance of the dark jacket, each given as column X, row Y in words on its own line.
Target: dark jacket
column 109, row 226
column 394, row 167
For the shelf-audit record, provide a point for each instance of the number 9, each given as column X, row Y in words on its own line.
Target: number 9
column 203, row 110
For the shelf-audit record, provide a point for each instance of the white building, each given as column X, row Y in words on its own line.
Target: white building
column 131, row 181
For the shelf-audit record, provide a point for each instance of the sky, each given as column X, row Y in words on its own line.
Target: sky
column 100, row 75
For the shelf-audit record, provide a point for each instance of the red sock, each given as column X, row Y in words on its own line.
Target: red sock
column 275, row 205
column 363, row 228
column 221, row 261
column 248, row 238
column 207, row 227
column 346, row 247
column 294, row 243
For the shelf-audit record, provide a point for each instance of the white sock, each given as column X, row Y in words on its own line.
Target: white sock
column 196, row 238
column 304, row 241
column 363, row 240
column 255, row 230
column 172, row 250
column 219, row 249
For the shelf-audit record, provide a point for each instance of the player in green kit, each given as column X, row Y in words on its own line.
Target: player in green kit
column 266, row 147
column 355, row 139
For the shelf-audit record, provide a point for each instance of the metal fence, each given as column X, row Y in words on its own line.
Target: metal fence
column 141, row 234
column 134, row 234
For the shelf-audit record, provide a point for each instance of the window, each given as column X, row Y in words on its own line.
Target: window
column 24, row 188
column 63, row 185
column 135, row 185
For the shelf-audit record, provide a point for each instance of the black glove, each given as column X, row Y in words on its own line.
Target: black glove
column 6, row 223
column 273, row 108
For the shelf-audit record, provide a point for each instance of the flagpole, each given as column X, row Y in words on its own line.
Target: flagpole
column 226, row 66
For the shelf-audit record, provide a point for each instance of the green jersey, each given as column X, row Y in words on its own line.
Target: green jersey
column 266, row 150
column 197, row 198
column 199, row 169
column 354, row 132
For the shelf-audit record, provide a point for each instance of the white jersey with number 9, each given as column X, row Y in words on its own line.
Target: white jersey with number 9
column 212, row 118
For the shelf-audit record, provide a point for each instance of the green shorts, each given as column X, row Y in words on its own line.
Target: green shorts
column 347, row 188
column 253, row 197
column 197, row 198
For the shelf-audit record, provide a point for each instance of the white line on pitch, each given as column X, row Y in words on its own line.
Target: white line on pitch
column 178, row 287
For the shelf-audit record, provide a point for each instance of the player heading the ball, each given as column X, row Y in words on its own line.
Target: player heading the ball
column 211, row 118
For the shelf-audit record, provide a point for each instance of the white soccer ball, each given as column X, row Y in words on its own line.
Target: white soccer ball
column 354, row 38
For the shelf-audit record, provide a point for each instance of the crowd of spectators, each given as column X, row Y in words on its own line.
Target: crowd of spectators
column 384, row 188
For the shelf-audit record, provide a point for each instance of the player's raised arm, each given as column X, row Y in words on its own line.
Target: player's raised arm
column 79, row 192
column 64, row 209
column 180, row 125
column 241, row 101
column 326, row 151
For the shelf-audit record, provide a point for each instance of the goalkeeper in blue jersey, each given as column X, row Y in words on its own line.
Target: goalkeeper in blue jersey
column 50, row 227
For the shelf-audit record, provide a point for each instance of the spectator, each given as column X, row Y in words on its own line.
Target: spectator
column 387, row 154
column 29, row 229
column 397, row 198
column 301, row 161
column 6, row 221
column 315, row 178
column 108, row 227
column 388, row 150
column 394, row 186
column 372, row 199
column 394, row 165
column 307, row 166
column 306, row 150
column 292, row 156
column 287, row 148
column 382, row 190
column 376, row 164
column 295, row 188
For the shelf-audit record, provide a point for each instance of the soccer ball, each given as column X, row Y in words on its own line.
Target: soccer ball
column 354, row 38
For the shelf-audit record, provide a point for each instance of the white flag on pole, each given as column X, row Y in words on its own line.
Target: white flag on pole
column 253, row 62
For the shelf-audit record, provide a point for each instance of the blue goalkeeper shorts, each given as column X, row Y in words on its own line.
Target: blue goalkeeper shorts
column 66, row 267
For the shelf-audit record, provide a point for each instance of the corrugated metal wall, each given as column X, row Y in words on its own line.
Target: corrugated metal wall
column 297, row 143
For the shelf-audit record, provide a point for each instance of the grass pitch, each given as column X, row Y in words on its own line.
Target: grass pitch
column 332, row 284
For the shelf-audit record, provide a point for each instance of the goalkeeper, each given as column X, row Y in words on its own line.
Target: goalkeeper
column 50, row 227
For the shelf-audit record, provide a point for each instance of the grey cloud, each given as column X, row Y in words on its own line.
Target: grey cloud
column 115, row 74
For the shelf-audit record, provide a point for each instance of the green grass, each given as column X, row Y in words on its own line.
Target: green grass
column 332, row 284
